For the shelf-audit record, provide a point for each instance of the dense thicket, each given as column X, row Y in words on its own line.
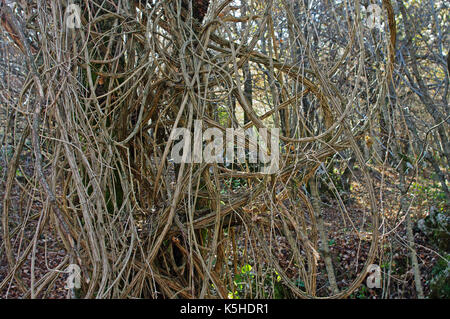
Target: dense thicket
column 93, row 109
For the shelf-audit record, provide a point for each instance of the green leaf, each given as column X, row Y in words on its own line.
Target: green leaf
column 246, row 268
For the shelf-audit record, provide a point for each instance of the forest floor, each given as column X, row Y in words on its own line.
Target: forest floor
column 350, row 244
